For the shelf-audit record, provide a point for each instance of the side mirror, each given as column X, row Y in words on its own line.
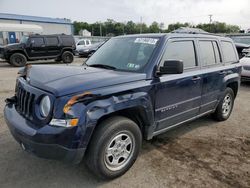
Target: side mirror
column 172, row 67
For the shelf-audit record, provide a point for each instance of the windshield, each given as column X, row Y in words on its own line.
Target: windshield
column 24, row 39
column 244, row 40
column 128, row 53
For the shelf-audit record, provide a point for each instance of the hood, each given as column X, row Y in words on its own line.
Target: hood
column 245, row 61
column 13, row 46
column 65, row 80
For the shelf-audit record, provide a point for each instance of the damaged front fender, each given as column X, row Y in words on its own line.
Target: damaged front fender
column 100, row 108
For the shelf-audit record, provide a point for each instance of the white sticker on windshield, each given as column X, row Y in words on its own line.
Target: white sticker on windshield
column 133, row 66
column 152, row 41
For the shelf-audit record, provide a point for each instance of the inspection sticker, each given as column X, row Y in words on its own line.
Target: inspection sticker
column 133, row 66
column 152, row 41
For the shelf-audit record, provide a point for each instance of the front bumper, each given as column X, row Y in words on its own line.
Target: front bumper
column 43, row 142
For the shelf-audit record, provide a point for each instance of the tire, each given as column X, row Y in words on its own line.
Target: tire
column 18, row 60
column 225, row 106
column 67, row 57
column 111, row 135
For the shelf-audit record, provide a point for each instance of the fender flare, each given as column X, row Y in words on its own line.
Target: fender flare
column 101, row 108
column 231, row 78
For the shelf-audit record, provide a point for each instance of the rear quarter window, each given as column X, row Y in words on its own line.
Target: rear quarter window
column 67, row 41
column 228, row 52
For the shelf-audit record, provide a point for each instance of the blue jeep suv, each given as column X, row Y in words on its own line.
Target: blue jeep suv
column 134, row 87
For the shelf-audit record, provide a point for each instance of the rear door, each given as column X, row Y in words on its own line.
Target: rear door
column 53, row 46
column 178, row 96
column 212, row 74
column 36, row 47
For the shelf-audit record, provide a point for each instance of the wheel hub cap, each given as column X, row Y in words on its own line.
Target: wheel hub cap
column 119, row 151
column 226, row 105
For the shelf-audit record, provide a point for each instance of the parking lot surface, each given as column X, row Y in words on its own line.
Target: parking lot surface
column 203, row 153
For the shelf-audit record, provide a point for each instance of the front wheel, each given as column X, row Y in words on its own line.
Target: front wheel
column 18, row 60
column 225, row 106
column 114, row 147
column 67, row 57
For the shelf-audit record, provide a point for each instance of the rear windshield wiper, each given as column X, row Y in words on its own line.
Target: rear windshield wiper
column 102, row 66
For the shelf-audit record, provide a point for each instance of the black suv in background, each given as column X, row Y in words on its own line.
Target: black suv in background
column 37, row 47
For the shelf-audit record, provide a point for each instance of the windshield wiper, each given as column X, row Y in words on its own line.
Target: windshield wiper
column 102, row 66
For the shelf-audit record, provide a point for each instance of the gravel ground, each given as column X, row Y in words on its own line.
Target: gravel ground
column 203, row 153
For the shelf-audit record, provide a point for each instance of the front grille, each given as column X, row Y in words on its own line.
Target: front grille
column 246, row 68
column 25, row 102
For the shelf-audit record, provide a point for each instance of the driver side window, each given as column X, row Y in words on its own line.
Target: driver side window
column 37, row 42
column 181, row 50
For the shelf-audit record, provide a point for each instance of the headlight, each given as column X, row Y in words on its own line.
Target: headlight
column 45, row 106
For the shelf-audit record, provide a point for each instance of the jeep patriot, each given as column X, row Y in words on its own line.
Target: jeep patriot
column 134, row 87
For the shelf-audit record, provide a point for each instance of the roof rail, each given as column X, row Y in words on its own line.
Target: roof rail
column 189, row 30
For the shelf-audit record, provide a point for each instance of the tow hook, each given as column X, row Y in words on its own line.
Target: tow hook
column 23, row 146
column 11, row 100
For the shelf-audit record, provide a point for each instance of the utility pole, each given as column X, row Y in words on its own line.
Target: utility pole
column 210, row 18
column 210, row 21
column 100, row 29
column 141, row 25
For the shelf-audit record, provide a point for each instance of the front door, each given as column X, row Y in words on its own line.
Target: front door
column 36, row 47
column 178, row 96
column 12, row 37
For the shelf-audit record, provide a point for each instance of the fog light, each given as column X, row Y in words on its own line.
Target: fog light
column 64, row 122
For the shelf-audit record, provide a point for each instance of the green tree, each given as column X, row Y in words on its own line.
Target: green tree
column 174, row 26
column 154, row 28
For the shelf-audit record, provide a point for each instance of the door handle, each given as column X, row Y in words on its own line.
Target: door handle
column 223, row 72
column 196, row 78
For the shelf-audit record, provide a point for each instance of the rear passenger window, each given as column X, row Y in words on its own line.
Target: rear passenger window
column 181, row 50
column 207, row 53
column 228, row 52
column 52, row 41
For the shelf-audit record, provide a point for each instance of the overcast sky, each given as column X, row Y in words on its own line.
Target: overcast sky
column 166, row 11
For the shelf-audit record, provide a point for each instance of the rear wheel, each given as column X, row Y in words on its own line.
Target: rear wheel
column 18, row 60
column 225, row 107
column 114, row 147
column 67, row 57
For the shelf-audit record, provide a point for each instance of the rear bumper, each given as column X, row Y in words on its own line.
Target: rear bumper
column 41, row 142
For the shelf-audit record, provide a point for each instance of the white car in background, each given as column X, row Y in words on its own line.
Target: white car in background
column 81, row 44
column 245, row 62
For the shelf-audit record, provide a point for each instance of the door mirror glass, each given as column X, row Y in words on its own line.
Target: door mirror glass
column 172, row 67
